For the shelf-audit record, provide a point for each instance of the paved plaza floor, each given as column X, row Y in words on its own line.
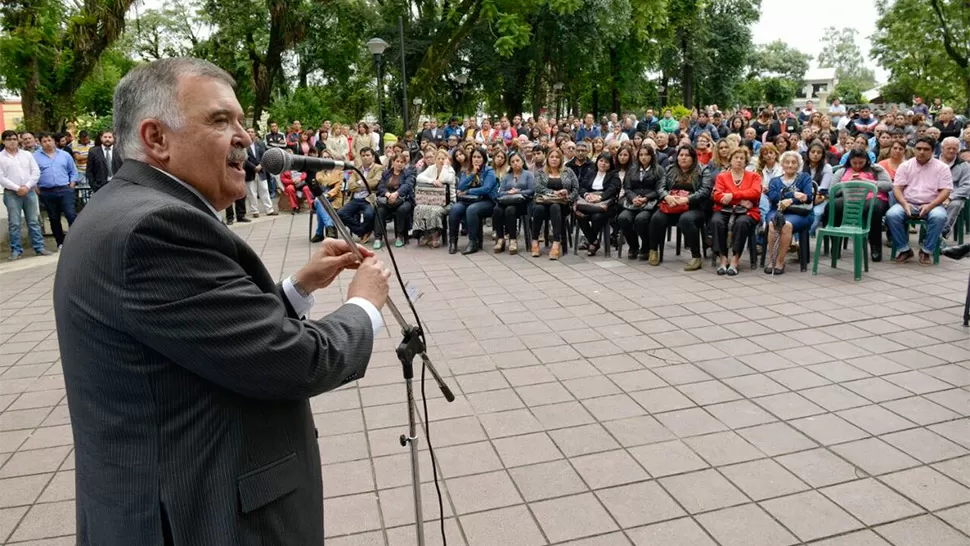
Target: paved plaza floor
column 599, row 402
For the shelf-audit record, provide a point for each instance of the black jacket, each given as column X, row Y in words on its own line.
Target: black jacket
column 190, row 407
column 253, row 160
column 97, row 169
column 611, row 184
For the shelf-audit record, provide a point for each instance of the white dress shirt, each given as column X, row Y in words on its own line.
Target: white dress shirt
column 301, row 306
column 19, row 169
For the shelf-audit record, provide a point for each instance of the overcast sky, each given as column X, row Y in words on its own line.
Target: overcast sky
column 802, row 25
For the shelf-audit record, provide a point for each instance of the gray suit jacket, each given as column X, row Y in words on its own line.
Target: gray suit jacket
column 188, row 375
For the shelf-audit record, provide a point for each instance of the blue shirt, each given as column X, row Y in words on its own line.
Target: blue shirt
column 56, row 172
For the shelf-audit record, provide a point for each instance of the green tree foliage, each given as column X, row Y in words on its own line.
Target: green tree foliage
column 779, row 90
column 777, row 59
column 849, row 92
column 925, row 45
column 842, row 53
column 49, row 47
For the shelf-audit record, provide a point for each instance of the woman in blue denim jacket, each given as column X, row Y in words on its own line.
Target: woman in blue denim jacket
column 477, row 191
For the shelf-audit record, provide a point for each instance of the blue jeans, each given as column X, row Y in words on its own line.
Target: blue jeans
column 817, row 210
column 351, row 212
column 59, row 201
column 471, row 215
column 323, row 219
column 28, row 206
column 896, row 220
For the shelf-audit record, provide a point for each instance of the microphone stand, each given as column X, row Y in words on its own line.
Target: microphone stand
column 412, row 344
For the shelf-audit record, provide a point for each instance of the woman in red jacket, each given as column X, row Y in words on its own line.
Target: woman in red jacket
column 736, row 196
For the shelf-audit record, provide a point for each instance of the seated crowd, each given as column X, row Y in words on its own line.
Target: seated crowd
column 724, row 180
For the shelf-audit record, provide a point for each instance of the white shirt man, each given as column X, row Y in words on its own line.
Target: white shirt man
column 837, row 111
column 19, row 174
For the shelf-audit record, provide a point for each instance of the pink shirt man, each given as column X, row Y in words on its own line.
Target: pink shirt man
column 922, row 183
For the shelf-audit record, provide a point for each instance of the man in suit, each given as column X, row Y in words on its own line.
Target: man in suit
column 189, row 404
column 256, row 184
column 433, row 134
column 103, row 162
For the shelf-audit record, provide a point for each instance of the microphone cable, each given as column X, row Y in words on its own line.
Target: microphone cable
column 276, row 160
column 379, row 221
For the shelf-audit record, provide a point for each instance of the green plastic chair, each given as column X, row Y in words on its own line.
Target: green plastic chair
column 855, row 225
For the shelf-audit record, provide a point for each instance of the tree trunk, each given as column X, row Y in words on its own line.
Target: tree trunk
column 614, row 90
column 687, row 79
column 596, row 103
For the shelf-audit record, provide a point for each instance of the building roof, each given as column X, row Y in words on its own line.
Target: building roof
column 873, row 93
column 819, row 74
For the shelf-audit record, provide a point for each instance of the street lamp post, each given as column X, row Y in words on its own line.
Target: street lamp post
column 377, row 48
column 558, row 88
column 462, row 79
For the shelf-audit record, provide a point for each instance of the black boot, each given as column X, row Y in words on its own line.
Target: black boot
column 453, row 246
column 471, row 248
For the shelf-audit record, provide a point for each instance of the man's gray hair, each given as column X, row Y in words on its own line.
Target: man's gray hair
column 151, row 91
column 951, row 140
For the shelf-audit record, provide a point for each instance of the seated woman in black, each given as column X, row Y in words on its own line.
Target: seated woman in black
column 395, row 195
column 597, row 189
column 639, row 201
column 685, row 201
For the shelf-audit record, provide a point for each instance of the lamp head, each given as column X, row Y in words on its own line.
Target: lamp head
column 377, row 46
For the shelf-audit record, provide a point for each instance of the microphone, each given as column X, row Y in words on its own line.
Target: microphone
column 276, row 161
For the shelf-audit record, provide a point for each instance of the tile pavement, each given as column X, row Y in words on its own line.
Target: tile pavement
column 599, row 403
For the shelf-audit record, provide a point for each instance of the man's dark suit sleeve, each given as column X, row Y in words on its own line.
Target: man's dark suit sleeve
column 196, row 305
column 95, row 165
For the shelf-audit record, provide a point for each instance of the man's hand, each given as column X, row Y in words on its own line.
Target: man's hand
column 925, row 210
column 259, row 168
column 370, row 282
column 22, row 191
column 334, row 256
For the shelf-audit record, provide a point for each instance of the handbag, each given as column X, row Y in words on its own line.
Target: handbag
column 675, row 209
column 585, row 207
column 628, row 204
column 550, row 199
column 800, row 209
column 469, row 199
column 512, row 199
column 430, row 195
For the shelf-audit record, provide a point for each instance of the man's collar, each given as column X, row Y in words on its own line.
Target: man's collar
column 191, row 189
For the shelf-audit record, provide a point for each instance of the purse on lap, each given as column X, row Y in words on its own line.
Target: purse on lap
column 675, row 209
column 599, row 207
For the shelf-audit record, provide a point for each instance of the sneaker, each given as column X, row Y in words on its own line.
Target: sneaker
column 244, row 220
column 44, row 252
column 273, row 213
column 499, row 246
column 377, row 244
column 398, row 243
column 513, row 247
column 59, row 247
column 316, row 238
column 732, row 271
column 255, row 215
column 14, row 257
column 653, row 258
column 694, row 264
column 535, row 249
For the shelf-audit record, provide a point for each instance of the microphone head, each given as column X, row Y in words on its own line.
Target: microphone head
column 274, row 161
